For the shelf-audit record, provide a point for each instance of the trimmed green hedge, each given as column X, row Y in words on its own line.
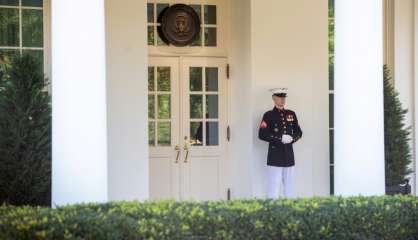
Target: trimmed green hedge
column 386, row 217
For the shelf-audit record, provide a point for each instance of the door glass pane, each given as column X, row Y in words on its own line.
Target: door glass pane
column 210, row 14
column 212, row 133
column 151, row 133
column 211, row 79
column 198, row 40
column 196, row 133
column 210, row 36
column 161, row 7
column 164, row 106
column 150, row 12
column 163, row 78
column 164, row 133
column 9, row 27
column 151, row 83
column 32, row 3
column 160, row 42
column 198, row 10
column 151, row 35
column 211, row 106
column 151, row 106
column 196, row 106
column 195, row 79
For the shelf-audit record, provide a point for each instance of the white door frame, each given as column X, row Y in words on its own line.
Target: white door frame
column 183, row 172
column 205, row 153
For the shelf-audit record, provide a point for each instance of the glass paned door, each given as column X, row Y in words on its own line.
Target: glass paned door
column 163, row 127
column 204, row 121
column 187, row 127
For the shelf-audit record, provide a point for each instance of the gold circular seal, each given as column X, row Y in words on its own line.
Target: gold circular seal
column 180, row 25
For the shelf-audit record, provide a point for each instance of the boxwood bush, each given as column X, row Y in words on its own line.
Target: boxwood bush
column 384, row 217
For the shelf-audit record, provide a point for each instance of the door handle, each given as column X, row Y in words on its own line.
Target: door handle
column 177, row 148
column 186, row 147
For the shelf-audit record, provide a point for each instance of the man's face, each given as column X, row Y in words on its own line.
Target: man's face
column 279, row 101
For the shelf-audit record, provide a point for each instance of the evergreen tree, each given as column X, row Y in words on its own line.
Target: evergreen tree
column 25, row 134
column 398, row 156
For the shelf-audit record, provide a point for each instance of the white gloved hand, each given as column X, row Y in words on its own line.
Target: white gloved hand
column 287, row 139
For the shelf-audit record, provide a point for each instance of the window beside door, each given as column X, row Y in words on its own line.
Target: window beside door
column 21, row 29
column 331, row 89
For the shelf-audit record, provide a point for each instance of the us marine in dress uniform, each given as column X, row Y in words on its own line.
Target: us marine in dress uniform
column 280, row 128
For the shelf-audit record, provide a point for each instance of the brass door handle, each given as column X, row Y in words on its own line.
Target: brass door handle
column 186, row 147
column 177, row 148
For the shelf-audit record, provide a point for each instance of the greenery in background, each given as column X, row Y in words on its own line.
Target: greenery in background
column 398, row 156
column 25, row 133
column 385, row 217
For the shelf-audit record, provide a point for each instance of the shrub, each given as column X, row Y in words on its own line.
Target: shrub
column 339, row 218
column 25, row 133
column 398, row 154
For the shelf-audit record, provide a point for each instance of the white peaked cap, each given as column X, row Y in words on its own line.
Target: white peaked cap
column 279, row 91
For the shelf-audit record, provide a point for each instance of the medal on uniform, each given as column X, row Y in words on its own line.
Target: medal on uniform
column 276, row 129
column 290, row 118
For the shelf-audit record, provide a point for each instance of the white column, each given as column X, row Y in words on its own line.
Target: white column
column 79, row 158
column 359, row 133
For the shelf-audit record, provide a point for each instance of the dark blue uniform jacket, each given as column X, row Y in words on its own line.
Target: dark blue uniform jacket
column 274, row 124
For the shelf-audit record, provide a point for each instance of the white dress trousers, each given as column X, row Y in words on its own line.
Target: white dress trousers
column 277, row 176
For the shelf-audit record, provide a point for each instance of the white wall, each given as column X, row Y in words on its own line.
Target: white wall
column 290, row 49
column 267, row 47
column 271, row 43
column 127, row 118
column 241, row 122
column 403, row 72
column 287, row 47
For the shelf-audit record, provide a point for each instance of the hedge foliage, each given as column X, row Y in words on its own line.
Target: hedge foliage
column 385, row 217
